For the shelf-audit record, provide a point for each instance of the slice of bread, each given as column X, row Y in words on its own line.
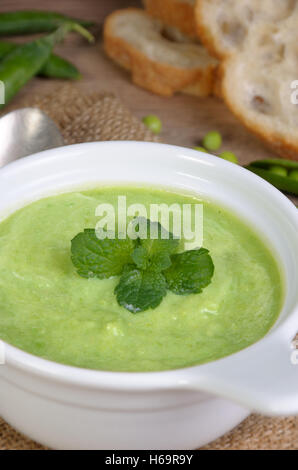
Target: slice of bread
column 175, row 13
column 223, row 25
column 258, row 44
column 256, row 84
column 136, row 41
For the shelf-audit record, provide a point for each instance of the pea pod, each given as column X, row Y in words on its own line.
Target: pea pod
column 55, row 67
column 31, row 22
column 266, row 169
column 26, row 60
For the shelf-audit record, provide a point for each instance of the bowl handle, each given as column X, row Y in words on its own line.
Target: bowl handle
column 261, row 378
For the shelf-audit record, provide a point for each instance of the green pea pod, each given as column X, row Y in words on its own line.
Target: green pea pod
column 55, row 67
column 263, row 168
column 26, row 60
column 31, row 22
column 288, row 164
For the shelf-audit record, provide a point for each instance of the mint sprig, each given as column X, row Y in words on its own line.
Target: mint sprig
column 147, row 266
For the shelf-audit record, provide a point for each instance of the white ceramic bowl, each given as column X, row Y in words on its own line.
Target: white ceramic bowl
column 66, row 407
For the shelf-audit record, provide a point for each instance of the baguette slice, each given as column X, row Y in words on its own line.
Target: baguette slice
column 256, row 84
column 174, row 13
column 135, row 40
column 223, row 25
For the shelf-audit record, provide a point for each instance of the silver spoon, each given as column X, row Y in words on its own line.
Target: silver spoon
column 26, row 131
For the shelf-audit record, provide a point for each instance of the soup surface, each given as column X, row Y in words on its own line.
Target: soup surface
column 47, row 309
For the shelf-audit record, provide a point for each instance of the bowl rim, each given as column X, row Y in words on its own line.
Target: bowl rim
column 51, row 370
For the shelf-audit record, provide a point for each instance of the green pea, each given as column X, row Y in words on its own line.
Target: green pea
column 212, row 141
column 230, row 156
column 278, row 170
column 294, row 175
column 153, row 123
column 200, row 149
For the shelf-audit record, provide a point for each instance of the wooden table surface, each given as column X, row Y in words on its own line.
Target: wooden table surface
column 186, row 119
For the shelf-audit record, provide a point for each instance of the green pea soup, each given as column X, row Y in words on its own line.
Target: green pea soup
column 48, row 310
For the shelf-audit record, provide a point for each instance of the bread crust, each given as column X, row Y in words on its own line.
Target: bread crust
column 174, row 13
column 160, row 78
column 204, row 33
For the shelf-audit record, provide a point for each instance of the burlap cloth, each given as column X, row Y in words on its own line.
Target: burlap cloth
column 86, row 118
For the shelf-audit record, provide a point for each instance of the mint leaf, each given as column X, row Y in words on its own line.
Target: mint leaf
column 190, row 272
column 163, row 241
column 140, row 257
column 161, row 261
column 154, row 252
column 158, row 262
column 138, row 290
column 100, row 258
